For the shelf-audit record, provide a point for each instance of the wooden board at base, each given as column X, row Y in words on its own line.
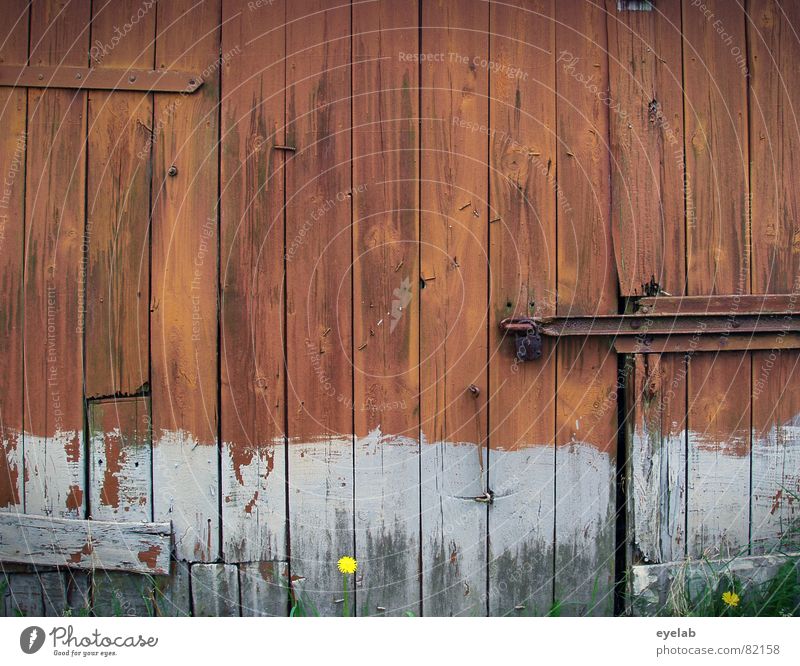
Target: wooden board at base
column 386, row 307
column 264, row 588
column 522, row 170
column 54, row 446
column 13, row 148
column 184, row 283
column 453, row 305
column 319, row 297
column 215, row 590
column 251, row 265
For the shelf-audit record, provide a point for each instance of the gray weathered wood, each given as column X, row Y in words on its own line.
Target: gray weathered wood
column 264, row 588
column 122, row 594
column 85, row 544
column 215, row 590
column 79, row 593
column 54, row 593
column 661, row 588
column 24, row 596
column 172, row 594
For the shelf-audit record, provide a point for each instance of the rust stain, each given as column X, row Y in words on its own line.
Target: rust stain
column 109, row 493
column 776, row 502
column 73, row 450
column 241, row 456
column 78, row 555
column 75, row 498
column 266, row 569
column 251, row 504
column 150, row 556
column 9, row 492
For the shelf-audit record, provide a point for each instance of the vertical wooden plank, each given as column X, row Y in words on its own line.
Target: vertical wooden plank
column 453, row 345
column 318, row 297
column 522, row 261
column 119, row 456
column 386, row 306
column 54, row 210
column 774, row 141
column 586, row 439
column 54, row 593
column 775, row 508
column 24, row 596
column 172, row 594
column 215, row 590
column 718, row 262
column 657, row 458
column 118, row 196
column 646, row 124
column 79, row 594
column 715, row 70
column 264, row 589
column 184, row 276
column 586, row 403
column 116, row 594
column 13, row 142
column 253, row 451
column 718, row 483
column 586, row 274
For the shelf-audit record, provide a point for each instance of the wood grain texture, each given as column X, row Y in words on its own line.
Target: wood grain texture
column 718, row 478
column 646, row 125
column 319, row 296
column 717, row 234
column 184, row 284
column 453, row 345
column 215, row 590
column 252, row 243
column 657, row 458
column 55, row 588
column 54, row 242
column 522, row 168
column 172, row 593
column 118, row 208
column 386, row 306
column 122, row 595
column 774, row 142
column 120, row 474
column 24, row 596
column 85, row 544
column 587, row 281
column 262, row 588
column 13, row 147
column 586, row 440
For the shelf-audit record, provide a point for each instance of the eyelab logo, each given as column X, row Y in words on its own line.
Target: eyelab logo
column 31, row 639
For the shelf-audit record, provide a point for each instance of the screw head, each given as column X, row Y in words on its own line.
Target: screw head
column 172, row 171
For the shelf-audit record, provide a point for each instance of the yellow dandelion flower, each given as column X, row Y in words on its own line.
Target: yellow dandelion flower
column 348, row 565
column 731, row 598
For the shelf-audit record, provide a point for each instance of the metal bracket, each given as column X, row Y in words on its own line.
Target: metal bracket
column 527, row 337
column 85, row 78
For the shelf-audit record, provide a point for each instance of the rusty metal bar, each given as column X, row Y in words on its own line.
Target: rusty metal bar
column 715, row 343
column 724, row 305
column 84, row 78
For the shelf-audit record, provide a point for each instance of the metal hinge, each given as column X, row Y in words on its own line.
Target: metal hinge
column 86, row 78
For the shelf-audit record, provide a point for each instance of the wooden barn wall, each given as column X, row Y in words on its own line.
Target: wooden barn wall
column 267, row 311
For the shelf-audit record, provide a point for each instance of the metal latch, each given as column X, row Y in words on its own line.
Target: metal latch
column 527, row 337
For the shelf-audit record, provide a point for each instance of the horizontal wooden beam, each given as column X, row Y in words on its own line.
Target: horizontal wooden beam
column 84, row 78
column 85, row 544
column 690, row 343
column 738, row 304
